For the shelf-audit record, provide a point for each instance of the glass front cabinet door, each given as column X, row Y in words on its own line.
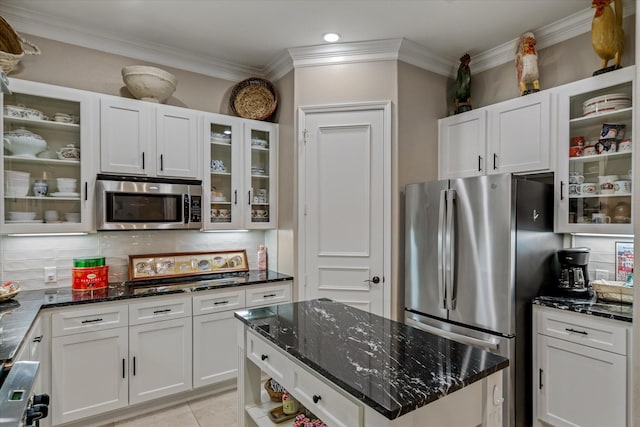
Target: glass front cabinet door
column 261, row 147
column 47, row 159
column 596, row 146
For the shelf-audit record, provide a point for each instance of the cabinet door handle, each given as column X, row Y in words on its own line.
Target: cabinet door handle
column 161, row 162
column 540, row 378
column 123, row 368
column 264, row 357
column 561, row 190
column 316, row 398
column 495, row 157
column 576, row 331
column 99, row 319
column 143, row 160
column 235, row 197
column 134, row 366
column 249, row 197
column 479, row 163
column 220, row 302
column 166, row 310
column 86, row 191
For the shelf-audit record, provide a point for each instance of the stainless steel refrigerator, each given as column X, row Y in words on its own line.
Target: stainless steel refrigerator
column 477, row 250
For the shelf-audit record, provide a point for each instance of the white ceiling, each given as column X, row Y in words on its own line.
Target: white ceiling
column 227, row 37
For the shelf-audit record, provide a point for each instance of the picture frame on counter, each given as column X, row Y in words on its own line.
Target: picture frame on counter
column 624, row 260
column 146, row 266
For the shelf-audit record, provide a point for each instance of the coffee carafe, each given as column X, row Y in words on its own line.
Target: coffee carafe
column 574, row 277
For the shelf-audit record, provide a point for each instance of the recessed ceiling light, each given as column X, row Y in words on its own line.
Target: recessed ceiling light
column 331, row 37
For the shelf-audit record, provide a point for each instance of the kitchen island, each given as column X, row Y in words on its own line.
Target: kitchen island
column 352, row 368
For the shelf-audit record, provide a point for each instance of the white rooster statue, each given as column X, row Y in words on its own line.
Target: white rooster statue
column 607, row 35
column 527, row 64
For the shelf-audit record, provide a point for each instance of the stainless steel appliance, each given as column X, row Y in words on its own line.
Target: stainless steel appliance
column 19, row 407
column 133, row 203
column 574, row 276
column 477, row 250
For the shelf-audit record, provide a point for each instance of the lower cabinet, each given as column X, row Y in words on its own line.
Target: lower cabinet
column 580, row 370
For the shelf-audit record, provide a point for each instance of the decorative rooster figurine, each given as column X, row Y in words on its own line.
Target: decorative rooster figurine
column 527, row 64
column 607, row 35
column 463, row 85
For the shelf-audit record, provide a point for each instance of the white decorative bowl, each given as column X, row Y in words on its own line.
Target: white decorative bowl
column 23, row 143
column 149, row 83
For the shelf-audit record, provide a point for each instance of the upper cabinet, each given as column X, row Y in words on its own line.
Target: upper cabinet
column 512, row 136
column 142, row 138
column 595, row 151
column 240, row 186
column 48, row 160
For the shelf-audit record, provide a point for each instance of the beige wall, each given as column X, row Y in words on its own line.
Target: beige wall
column 559, row 64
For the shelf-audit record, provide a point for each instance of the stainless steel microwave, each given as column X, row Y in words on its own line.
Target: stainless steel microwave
column 140, row 203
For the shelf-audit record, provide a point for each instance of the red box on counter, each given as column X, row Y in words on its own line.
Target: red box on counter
column 89, row 278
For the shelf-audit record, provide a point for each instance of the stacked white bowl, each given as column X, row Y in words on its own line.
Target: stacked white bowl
column 72, row 217
column 16, row 183
column 66, row 185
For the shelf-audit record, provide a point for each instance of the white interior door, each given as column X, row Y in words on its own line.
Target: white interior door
column 344, row 185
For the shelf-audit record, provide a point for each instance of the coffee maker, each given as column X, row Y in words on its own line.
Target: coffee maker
column 573, row 280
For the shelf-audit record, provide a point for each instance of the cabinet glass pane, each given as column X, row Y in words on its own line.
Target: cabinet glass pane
column 600, row 157
column 260, row 152
column 41, row 159
column 221, row 169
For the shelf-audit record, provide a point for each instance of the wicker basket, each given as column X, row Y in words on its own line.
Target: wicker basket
column 254, row 98
column 12, row 47
column 274, row 390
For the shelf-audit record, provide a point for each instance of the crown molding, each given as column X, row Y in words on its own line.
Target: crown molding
column 26, row 21
column 345, row 53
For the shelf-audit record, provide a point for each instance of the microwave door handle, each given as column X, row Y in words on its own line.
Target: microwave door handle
column 187, row 208
column 451, row 250
column 442, row 296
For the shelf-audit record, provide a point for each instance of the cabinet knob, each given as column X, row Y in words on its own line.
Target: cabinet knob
column 264, row 357
column 316, row 398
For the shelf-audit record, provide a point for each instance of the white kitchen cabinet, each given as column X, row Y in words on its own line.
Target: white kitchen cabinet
column 214, row 358
column 142, row 138
column 32, row 107
column 509, row 137
column 241, row 185
column 462, row 141
column 575, row 208
column 89, row 374
column 576, row 381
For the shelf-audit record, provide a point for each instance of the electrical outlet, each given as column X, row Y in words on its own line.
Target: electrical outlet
column 50, row 275
column 602, row 274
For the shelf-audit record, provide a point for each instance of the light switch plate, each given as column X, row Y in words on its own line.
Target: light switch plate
column 50, row 275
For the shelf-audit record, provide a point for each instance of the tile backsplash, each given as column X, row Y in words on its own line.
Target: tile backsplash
column 24, row 258
column 603, row 253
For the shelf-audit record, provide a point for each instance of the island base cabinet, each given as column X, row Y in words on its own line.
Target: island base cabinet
column 580, row 385
column 160, row 359
column 89, row 374
column 215, row 356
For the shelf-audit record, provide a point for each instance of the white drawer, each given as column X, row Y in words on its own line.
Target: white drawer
column 604, row 334
column 268, row 359
column 96, row 318
column 163, row 308
column 268, row 295
column 325, row 401
column 223, row 300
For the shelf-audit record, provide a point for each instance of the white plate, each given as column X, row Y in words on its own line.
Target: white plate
column 61, row 194
column 23, row 221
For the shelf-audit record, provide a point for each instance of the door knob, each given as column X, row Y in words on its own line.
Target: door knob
column 375, row 280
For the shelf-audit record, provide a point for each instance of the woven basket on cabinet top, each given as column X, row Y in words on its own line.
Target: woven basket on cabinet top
column 12, row 47
column 253, row 98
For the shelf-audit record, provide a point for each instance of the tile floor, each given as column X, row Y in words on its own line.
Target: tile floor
column 219, row 410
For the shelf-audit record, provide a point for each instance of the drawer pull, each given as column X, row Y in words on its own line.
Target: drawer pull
column 268, row 295
column 166, row 310
column 220, row 302
column 316, row 398
column 92, row 320
column 38, row 339
column 576, row 331
column 264, row 357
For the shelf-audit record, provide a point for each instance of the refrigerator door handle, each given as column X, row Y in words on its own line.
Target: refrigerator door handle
column 441, row 249
column 450, row 252
column 489, row 344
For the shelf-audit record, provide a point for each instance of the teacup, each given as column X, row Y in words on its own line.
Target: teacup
column 574, row 189
column 625, row 145
column 575, row 178
column 588, row 188
column 600, row 218
column 622, row 187
column 214, row 213
column 223, row 213
column 217, row 166
column 606, row 146
column 259, row 213
column 589, row 150
column 606, row 183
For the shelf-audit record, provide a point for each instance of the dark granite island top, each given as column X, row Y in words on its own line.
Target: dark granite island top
column 389, row 366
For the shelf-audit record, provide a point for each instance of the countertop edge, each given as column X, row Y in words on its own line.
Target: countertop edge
column 582, row 308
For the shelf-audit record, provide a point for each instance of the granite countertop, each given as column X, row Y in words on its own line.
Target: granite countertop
column 391, row 367
column 609, row 310
column 18, row 313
